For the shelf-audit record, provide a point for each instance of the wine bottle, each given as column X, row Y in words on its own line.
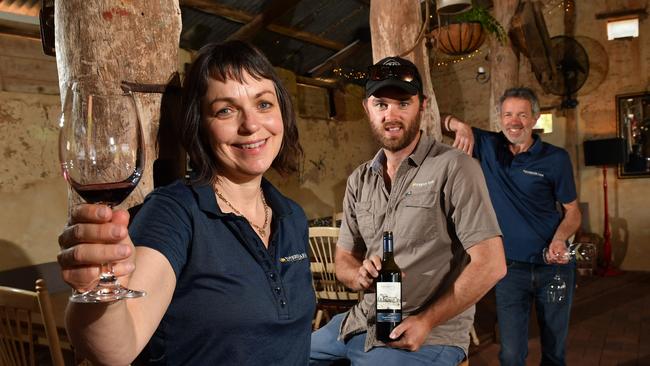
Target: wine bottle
column 389, row 292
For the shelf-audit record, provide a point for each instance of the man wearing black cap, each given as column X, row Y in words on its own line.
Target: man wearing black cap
column 446, row 236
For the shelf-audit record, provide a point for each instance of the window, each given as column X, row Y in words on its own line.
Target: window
column 622, row 28
column 544, row 123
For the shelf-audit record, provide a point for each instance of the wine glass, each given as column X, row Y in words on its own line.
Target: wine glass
column 556, row 290
column 578, row 251
column 101, row 149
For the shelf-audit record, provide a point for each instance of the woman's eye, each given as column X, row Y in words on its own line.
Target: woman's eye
column 265, row 105
column 223, row 112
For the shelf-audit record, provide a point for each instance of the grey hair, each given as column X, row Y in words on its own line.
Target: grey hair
column 521, row 93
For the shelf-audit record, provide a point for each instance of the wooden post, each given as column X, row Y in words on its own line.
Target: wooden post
column 112, row 40
column 504, row 62
column 571, row 136
column 394, row 28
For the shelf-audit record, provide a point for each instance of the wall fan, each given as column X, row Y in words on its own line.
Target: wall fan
column 571, row 70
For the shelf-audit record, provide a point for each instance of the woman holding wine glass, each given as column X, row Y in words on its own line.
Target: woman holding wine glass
column 222, row 257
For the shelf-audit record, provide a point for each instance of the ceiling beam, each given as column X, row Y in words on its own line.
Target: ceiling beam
column 239, row 16
column 335, row 59
column 22, row 32
column 273, row 10
column 19, row 24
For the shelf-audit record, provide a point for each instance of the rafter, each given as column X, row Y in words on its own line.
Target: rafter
column 243, row 17
column 335, row 59
column 273, row 10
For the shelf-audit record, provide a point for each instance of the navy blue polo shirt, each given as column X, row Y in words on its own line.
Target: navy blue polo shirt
column 235, row 302
column 525, row 189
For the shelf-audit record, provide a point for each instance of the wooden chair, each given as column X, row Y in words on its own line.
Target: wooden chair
column 332, row 295
column 18, row 335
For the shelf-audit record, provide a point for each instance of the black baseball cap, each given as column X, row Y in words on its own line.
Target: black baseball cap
column 396, row 72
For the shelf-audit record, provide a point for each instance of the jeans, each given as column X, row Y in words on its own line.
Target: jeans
column 326, row 348
column 524, row 283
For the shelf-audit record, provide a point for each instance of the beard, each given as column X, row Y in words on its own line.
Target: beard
column 524, row 135
column 411, row 129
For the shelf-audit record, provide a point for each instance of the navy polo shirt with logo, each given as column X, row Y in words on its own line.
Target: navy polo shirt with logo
column 525, row 189
column 235, row 302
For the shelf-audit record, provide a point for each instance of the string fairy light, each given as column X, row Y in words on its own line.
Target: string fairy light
column 554, row 5
column 453, row 61
column 349, row 75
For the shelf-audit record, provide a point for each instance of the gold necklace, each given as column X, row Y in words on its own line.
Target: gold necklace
column 260, row 229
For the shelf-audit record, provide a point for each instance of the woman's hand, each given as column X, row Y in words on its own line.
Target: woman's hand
column 95, row 235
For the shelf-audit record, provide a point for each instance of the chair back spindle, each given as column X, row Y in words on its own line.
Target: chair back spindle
column 18, row 332
column 331, row 294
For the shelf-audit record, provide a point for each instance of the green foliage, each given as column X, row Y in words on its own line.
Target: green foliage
column 487, row 21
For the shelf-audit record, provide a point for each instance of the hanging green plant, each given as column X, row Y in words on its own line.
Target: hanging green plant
column 481, row 15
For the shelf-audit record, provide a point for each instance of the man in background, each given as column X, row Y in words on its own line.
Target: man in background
column 527, row 178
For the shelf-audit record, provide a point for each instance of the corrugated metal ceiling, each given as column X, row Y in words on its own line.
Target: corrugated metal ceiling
column 340, row 21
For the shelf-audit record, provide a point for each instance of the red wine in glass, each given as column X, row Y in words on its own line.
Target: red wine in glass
column 101, row 149
column 111, row 194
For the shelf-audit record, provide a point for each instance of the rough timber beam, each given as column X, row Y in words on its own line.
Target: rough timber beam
column 243, row 17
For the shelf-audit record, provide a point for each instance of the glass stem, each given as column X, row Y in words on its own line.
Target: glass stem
column 107, row 276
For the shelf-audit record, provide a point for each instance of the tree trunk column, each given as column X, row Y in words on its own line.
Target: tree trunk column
column 394, row 27
column 504, row 65
column 112, row 40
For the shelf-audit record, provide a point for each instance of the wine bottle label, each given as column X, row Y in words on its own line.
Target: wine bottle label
column 389, row 296
column 389, row 317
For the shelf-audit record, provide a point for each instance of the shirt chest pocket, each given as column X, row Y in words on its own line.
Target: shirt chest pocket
column 365, row 219
column 418, row 216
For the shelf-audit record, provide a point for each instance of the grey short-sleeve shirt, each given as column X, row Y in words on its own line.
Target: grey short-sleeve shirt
column 438, row 208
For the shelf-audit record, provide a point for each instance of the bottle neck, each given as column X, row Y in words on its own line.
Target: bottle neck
column 388, row 250
column 388, row 246
column 388, row 256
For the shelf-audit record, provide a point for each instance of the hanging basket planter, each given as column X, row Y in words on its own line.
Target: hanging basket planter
column 457, row 39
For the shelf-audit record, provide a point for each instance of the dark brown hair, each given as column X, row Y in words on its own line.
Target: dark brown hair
column 222, row 61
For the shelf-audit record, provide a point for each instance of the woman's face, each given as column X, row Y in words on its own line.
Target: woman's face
column 245, row 125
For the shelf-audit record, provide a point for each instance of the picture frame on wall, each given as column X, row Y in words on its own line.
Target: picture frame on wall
column 633, row 126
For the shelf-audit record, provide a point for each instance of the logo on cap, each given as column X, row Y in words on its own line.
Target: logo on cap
column 392, row 62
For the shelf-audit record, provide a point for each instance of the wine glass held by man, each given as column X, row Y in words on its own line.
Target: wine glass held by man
column 223, row 255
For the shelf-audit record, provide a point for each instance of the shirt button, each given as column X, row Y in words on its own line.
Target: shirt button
column 272, row 275
column 283, row 303
column 278, row 290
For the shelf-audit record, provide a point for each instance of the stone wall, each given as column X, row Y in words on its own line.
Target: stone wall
column 32, row 192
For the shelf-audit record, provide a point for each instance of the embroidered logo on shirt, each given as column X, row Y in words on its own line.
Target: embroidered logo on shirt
column 294, row 258
column 423, row 184
column 530, row 172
